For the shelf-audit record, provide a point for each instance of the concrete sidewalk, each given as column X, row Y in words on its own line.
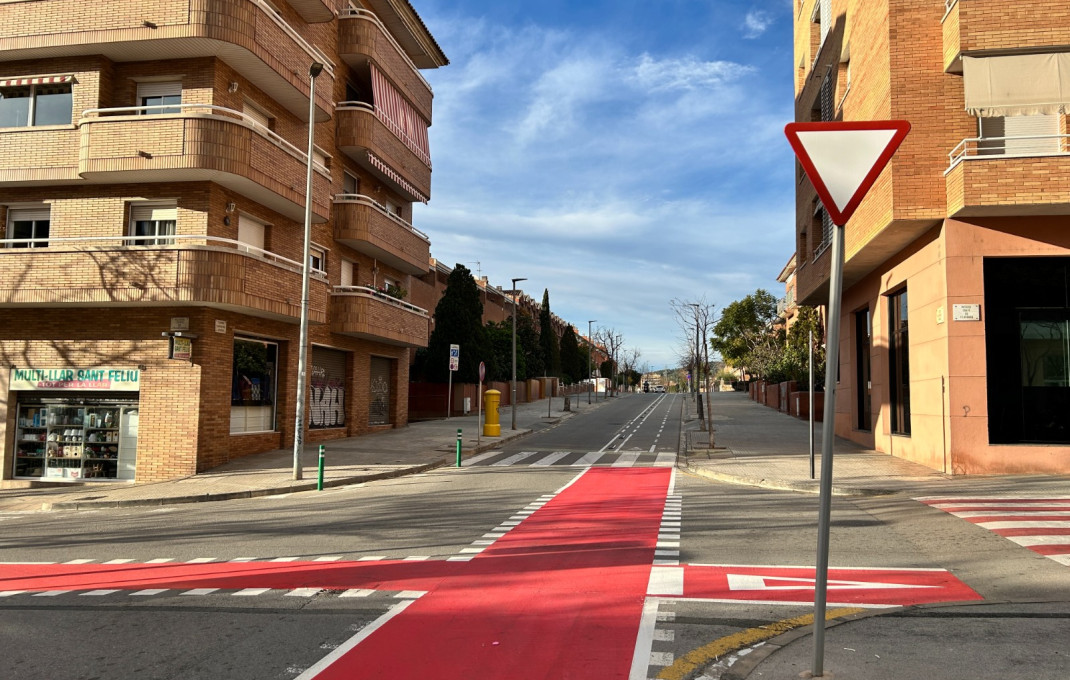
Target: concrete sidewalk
column 759, row 446
column 391, row 453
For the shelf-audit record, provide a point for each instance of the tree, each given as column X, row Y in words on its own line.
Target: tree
column 500, row 343
column 573, row 362
column 745, row 326
column 527, row 346
column 548, row 341
column 458, row 321
column 613, row 343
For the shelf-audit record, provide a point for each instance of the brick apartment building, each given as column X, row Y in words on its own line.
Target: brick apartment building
column 956, row 309
column 152, row 182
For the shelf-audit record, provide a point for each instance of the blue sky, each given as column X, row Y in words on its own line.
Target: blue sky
column 618, row 153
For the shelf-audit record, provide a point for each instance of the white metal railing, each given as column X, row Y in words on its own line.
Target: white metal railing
column 408, row 141
column 375, row 293
column 997, row 147
column 145, row 113
column 372, row 203
column 948, row 4
column 312, row 51
column 354, row 13
column 43, row 245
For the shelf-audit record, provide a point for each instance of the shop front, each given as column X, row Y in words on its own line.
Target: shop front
column 75, row 424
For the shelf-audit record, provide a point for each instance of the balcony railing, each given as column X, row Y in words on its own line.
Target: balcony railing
column 155, row 269
column 1025, row 146
column 379, row 207
column 354, row 13
column 365, row 225
column 371, row 314
column 364, row 137
column 192, row 142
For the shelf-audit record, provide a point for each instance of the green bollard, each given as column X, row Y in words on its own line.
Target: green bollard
column 323, row 458
column 458, row 447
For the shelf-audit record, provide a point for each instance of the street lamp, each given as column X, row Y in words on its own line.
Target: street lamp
column 302, row 343
column 590, row 367
column 513, row 399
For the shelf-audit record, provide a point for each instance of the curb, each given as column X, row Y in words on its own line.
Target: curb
column 809, row 486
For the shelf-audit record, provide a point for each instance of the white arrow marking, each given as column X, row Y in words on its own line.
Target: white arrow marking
column 758, row 582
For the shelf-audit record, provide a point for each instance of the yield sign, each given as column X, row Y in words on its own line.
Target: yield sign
column 844, row 159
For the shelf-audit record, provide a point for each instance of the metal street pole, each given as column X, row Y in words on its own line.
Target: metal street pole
column 302, row 344
column 513, row 400
column 590, row 367
column 811, row 409
column 832, row 353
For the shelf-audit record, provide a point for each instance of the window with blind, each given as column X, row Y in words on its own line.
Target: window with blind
column 153, row 220
column 251, row 233
column 1018, row 135
column 159, row 96
column 26, row 102
column 24, row 224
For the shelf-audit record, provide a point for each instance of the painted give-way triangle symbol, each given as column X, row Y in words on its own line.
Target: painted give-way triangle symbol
column 762, row 582
column 843, row 159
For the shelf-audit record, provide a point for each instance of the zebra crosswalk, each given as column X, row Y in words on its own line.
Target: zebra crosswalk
column 1040, row 524
column 629, row 458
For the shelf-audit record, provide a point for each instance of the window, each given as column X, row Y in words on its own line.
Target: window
column 348, row 269
column 863, row 382
column 253, row 384
column 159, row 95
column 821, row 224
column 152, row 220
column 321, row 159
column 899, row 364
column 393, row 208
column 1012, row 135
column 350, row 184
column 35, row 104
column 258, row 115
column 251, row 233
column 28, row 223
column 317, row 260
column 828, row 110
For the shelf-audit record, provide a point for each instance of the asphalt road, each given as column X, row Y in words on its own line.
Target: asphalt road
column 273, row 587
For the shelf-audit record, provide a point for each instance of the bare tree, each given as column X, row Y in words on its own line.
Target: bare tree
column 697, row 318
column 613, row 342
column 629, row 363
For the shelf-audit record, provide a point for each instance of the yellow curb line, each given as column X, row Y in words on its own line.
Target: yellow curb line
column 697, row 658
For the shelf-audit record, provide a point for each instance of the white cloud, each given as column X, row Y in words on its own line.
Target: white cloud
column 756, row 23
column 685, row 74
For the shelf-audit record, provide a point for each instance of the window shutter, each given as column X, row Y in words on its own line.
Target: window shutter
column 153, row 213
column 826, row 19
column 251, row 232
column 1032, row 126
column 158, row 90
column 256, row 115
column 29, row 215
column 347, row 273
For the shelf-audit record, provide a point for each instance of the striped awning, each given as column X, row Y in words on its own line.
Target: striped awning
column 396, row 178
column 37, row 80
column 400, row 116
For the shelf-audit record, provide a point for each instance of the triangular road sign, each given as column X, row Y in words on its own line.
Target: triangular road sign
column 844, row 159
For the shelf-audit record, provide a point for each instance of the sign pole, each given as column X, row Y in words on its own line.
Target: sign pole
column 811, row 410
column 828, row 433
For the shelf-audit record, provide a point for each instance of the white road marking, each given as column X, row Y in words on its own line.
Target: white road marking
column 357, row 592
column 480, row 458
column 150, row 591
column 627, row 459
column 666, row 581
column 515, row 458
column 200, row 591
column 588, row 459
column 250, row 592
column 644, row 640
column 304, row 592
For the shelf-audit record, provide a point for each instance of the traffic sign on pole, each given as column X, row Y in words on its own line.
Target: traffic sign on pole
column 843, row 159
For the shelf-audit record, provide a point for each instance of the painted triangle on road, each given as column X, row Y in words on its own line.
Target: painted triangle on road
column 763, row 582
column 843, row 159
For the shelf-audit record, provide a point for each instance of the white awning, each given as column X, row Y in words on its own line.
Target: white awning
column 1017, row 85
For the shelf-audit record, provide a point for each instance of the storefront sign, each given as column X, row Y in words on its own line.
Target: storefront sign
column 181, row 348
column 97, row 378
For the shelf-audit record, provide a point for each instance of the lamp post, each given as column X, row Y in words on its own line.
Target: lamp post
column 302, row 344
column 513, row 398
column 590, row 368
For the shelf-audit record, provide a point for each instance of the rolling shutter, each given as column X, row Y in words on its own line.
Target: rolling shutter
column 327, row 398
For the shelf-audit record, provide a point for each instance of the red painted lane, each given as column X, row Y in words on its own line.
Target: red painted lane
column 559, row 597
column 1036, row 517
column 845, row 586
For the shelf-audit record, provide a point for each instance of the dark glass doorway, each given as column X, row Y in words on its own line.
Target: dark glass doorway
column 863, row 378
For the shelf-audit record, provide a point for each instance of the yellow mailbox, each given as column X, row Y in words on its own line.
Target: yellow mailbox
column 491, row 426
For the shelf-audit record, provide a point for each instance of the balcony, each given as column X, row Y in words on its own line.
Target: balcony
column 362, row 38
column 191, row 270
column 994, row 26
column 364, row 225
column 363, row 136
column 1025, row 175
column 246, row 34
column 369, row 314
column 200, row 143
column 39, row 155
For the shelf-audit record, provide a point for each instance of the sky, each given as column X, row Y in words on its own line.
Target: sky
column 619, row 154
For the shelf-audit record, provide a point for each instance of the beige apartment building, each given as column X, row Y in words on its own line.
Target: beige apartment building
column 152, row 202
column 956, row 308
